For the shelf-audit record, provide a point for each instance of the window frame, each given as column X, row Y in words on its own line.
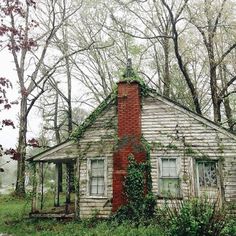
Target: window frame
column 162, row 177
column 89, row 165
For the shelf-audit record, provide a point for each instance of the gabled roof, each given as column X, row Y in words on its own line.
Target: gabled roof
column 111, row 99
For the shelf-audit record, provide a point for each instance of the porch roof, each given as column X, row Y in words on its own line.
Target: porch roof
column 52, row 154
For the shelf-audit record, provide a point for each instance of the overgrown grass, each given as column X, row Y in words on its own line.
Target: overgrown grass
column 191, row 218
column 14, row 221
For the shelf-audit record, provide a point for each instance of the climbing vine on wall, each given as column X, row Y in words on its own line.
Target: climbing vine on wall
column 138, row 189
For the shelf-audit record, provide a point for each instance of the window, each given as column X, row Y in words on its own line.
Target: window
column 96, row 178
column 206, row 175
column 169, row 179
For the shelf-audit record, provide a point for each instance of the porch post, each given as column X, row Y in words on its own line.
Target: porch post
column 77, row 189
column 67, row 187
column 35, row 188
column 72, row 176
column 57, row 186
column 60, row 174
column 42, row 183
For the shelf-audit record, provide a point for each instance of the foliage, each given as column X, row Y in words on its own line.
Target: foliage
column 16, row 31
column 196, row 217
column 5, row 104
column 141, row 202
column 230, row 228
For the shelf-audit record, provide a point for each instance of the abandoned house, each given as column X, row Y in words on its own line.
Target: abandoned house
column 190, row 156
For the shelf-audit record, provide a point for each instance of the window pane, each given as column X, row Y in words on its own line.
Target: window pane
column 93, row 186
column 100, row 164
column 201, row 174
column 100, row 190
column 170, row 187
column 97, row 172
column 97, row 163
column 169, row 167
column 97, row 167
column 100, row 181
column 97, row 186
column 172, row 163
column 93, row 164
column 210, row 174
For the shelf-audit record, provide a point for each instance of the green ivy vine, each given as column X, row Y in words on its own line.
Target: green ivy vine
column 141, row 202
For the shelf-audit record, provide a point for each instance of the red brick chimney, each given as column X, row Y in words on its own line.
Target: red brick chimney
column 129, row 136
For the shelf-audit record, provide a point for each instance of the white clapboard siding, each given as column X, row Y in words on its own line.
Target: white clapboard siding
column 100, row 139
column 163, row 121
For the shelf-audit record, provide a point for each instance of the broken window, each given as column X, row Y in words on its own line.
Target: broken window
column 97, row 178
column 207, row 174
column 169, row 179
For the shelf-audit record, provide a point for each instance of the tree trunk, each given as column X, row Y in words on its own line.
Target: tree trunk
column 65, row 51
column 58, row 140
column 214, row 94
column 21, row 148
column 226, row 101
column 34, row 205
column 228, row 113
column 182, row 66
column 55, row 121
column 166, row 68
column 69, row 112
column 213, row 79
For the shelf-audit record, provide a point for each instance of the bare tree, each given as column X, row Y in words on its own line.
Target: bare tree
column 29, row 50
column 208, row 26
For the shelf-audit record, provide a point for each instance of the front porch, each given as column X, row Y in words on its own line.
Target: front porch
column 53, row 194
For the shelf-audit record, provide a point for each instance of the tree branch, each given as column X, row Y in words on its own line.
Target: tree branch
column 180, row 60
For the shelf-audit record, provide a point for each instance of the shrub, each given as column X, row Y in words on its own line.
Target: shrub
column 195, row 217
column 230, row 228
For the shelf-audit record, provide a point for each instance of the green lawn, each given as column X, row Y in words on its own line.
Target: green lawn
column 14, row 221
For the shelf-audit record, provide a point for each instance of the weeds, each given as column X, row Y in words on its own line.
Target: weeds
column 196, row 217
